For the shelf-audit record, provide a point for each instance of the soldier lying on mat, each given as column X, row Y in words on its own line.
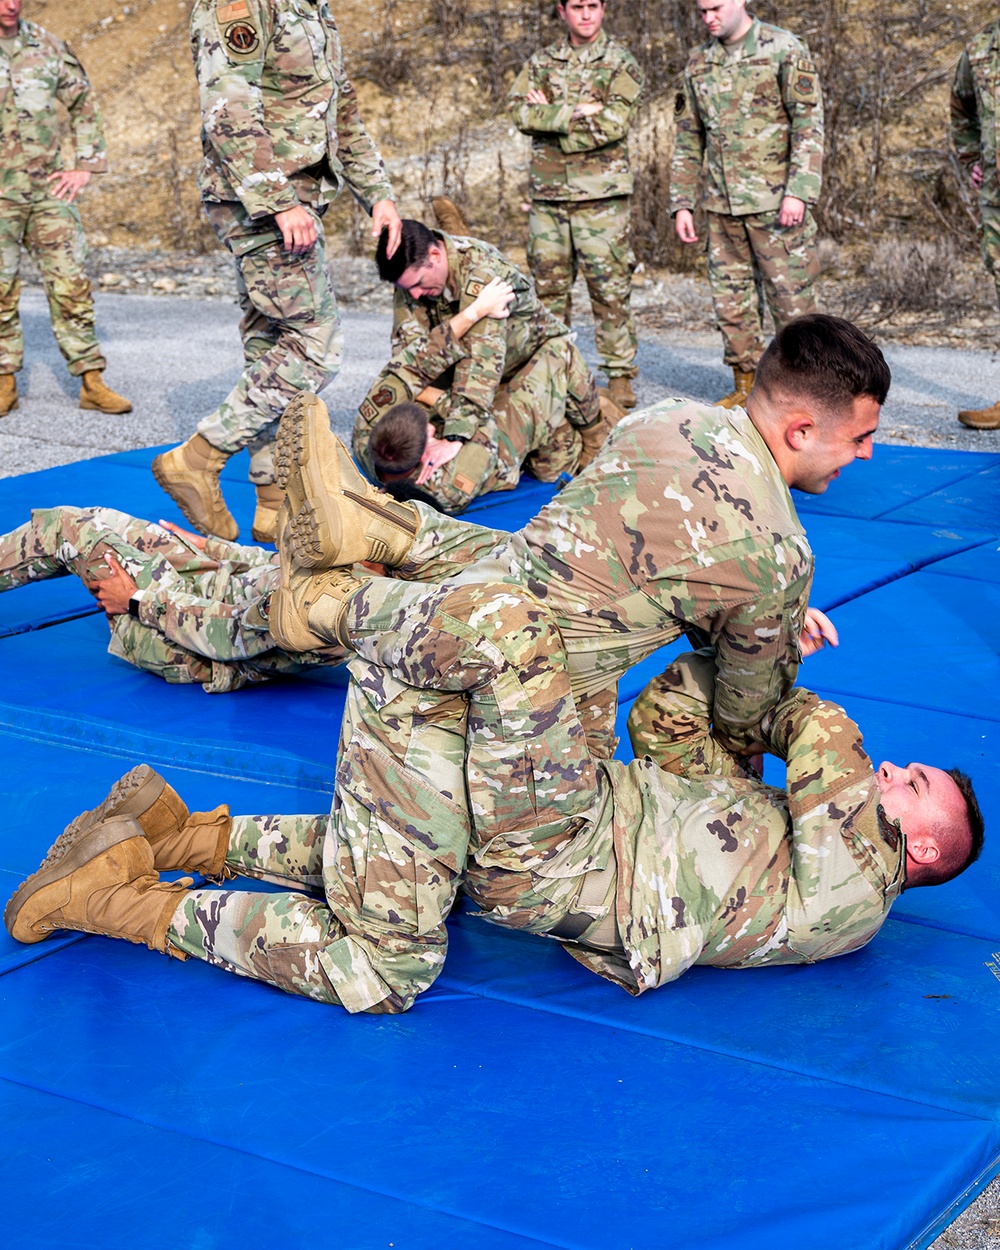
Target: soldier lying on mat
column 500, row 388
column 467, row 764
column 183, row 607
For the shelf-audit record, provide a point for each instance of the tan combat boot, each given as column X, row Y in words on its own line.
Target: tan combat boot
column 742, row 385
column 190, row 476
column 307, row 610
column 981, row 418
column 594, row 436
column 449, row 216
column 97, row 397
column 621, row 393
column 99, row 880
column 265, row 517
column 193, row 841
column 8, row 393
column 332, row 515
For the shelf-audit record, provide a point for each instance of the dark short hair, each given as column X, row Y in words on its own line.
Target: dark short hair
column 398, row 440
column 825, row 359
column 977, row 827
column 414, row 244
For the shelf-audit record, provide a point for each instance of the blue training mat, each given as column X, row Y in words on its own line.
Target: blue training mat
column 523, row 1102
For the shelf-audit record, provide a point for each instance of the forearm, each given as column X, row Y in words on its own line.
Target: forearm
column 362, row 162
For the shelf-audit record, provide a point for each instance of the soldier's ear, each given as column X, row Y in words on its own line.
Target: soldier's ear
column 800, row 427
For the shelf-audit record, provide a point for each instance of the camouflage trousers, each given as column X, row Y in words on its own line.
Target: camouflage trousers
column 990, row 241
column 594, row 236
column 537, row 415
column 51, row 231
column 752, row 258
column 292, row 340
column 202, row 632
column 459, row 736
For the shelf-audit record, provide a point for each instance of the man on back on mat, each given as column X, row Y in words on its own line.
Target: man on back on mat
column 520, row 371
column 180, row 606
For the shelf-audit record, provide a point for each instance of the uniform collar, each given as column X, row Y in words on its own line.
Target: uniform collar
column 587, row 52
column 717, row 51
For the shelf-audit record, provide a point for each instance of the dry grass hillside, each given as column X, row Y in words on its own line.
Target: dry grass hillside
column 897, row 218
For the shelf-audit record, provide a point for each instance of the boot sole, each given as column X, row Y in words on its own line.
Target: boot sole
column 111, row 412
column 976, row 425
column 132, row 795
column 70, row 851
column 312, row 527
column 13, row 408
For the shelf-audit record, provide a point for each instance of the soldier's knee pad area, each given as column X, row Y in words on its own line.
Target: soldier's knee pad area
column 515, row 1060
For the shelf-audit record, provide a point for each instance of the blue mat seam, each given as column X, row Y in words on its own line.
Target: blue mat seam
column 297, row 1167
column 158, row 750
column 965, row 477
column 628, row 1026
column 914, row 567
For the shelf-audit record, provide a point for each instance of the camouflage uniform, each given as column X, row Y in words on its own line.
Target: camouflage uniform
column 581, row 185
column 974, row 132
column 681, row 524
column 199, row 612
column 526, row 427
column 36, row 72
column 753, row 115
column 461, row 755
column 515, row 387
column 280, row 127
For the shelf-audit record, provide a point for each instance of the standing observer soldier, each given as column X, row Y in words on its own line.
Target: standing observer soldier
column 752, row 113
column 36, row 202
column 974, row 134
column 281, row 133
column 576, row 99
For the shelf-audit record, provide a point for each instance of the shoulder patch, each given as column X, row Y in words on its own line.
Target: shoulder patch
column 385, row 397
column 474, row 286
column 230, row 12
column 241, row 38
column 633, row 71
column 805, row 65
column 368, row 411
column 804, row 86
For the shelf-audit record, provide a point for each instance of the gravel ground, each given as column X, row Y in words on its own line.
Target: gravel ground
column 169, row 330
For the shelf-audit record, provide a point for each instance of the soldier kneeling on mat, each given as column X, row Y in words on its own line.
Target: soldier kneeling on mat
column 502, row 385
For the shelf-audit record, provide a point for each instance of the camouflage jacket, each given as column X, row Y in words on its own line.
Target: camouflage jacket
column 717, row 868
column 681, row 524
column 529, row 415
column 974, row 108
column 280, row 120
column 584, row 158
column 490, row 352
column 38, row 72
column 753, row 116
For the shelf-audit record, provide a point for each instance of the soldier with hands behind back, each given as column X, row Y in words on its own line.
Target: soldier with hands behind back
column 750, row 112
column 577, row 99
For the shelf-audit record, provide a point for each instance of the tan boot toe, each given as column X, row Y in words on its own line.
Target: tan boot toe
column 981, row 418
column 8, row 393
column 265, row 517
column 96, row 396
column 190, row 476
